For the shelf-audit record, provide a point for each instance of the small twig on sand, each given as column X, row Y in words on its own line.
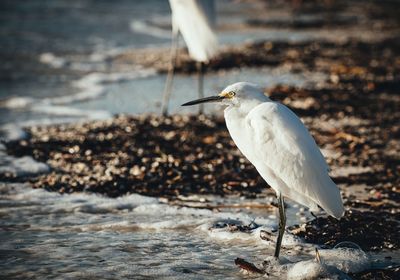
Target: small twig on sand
column 266, row 235
column 317, row 256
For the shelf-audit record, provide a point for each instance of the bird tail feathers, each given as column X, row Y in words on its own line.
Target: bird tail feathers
column 331, row 201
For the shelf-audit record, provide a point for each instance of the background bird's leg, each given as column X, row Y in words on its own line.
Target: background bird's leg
column 170, row 75
column 200, row 71
column 282, row 224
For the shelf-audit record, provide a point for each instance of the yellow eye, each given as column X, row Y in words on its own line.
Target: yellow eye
column 229, row 95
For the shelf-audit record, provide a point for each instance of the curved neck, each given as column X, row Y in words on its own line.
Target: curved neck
column 245, row 106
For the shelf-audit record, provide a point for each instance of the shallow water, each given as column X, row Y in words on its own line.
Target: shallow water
column 48, row 235
column 82, row 235
column 53, row 60
column 143, row 95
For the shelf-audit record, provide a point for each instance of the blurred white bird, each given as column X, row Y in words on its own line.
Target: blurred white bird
column 194, row 19
column 278, row 144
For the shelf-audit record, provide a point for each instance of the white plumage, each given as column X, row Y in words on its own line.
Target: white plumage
column 280, row 147
column 194, row 19
column 278, row 144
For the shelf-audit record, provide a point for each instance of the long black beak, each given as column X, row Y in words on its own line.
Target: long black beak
column 204, row 100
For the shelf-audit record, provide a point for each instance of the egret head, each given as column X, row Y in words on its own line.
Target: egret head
column 234, row 95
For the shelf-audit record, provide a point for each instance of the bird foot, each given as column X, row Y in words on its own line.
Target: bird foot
column 274, row 265
column 271, row 261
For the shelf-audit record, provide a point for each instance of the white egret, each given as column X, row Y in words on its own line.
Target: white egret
column 281, row 148
column 194, row 19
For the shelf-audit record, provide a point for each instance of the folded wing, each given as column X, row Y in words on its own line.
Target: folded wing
column 288, row 149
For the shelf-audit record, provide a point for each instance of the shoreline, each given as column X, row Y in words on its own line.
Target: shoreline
column 120, row 167
column 181, row 156
column 370, row 219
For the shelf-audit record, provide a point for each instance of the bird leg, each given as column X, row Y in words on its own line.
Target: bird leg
column 200, row 71
column 282, row 224
column 170, row 75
